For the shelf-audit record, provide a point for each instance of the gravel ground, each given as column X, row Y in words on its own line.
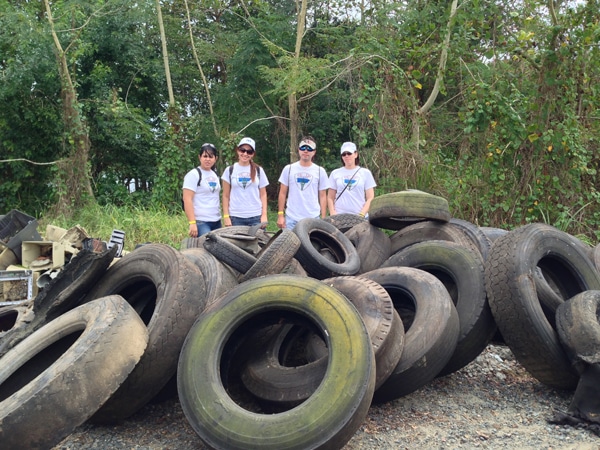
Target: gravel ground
column 492, row 403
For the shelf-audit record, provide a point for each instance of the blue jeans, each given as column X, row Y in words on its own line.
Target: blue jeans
column 249, row 221
column 291, row 223
column 205, row 227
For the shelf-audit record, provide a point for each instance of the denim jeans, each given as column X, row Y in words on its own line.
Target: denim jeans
column 291, row 223
column 205, row 227
column 249, row 221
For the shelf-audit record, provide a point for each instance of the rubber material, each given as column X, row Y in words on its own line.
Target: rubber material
column 317, row 235
column 527, row 327
column 325, row 420
column 57, row 377
column 396, row 210
column 168, row 292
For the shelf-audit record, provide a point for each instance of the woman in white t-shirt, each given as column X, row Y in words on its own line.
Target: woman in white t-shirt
column 245, row 188
column 352, row 187
column 201, row 191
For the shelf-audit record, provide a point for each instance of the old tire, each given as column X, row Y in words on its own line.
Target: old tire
column 228, row 252
column 461, row 271
column 527, row 326
column 57, row 377
column 316, row 235
column 274, row 256
column 345, row 221
column 431, row 328
column 429, row 230
column 372, row 245
column 326, row 419
column 578, row 327
column 398, row 209
column 168, row 292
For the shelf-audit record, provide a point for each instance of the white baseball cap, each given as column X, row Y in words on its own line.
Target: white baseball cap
column 348, row 147
column 308, row 142
column 248, row 141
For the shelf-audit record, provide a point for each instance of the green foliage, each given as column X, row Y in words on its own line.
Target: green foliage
column 512, row 138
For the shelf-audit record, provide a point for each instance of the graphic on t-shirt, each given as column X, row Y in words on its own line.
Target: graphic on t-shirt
column 212, row 184
column 350, row 183
column 303, row 180
column 243, row 179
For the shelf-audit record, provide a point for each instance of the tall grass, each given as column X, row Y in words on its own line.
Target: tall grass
column 141, row 225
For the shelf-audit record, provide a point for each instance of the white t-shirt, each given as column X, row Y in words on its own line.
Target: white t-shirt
column 304, row 184
column 352, row 199
column 244, row 197
column 207, row 206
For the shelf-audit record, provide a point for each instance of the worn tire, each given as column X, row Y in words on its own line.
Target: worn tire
column 218, row 277
column 315, row 235
column 578, row 328
column 62, row 294
column 168, row 292
column 475, row 234
column 461, row 271
column 326, row 419
column 372, row 245
column 269, row 377
column 229, row 253
column 14, row 316
column 57, row 377
column 345, row 221
column 493, row 233
column 398, row 209
column 431, row 327
column 429, row 230
column 274, row 256
column 527, row 326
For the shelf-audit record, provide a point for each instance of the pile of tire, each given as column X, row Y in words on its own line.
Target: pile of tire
column 284, row 340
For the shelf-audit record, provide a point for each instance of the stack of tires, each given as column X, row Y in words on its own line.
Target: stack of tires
column 283, row 340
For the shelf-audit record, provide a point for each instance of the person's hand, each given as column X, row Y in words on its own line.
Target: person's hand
column 227, row 221
column 193, row 231
column 264, row 221
column 281, row 221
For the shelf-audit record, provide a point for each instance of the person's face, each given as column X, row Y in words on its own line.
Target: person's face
column 207, row 160
column 349, row 158
column 306, row 153
column 245, row 153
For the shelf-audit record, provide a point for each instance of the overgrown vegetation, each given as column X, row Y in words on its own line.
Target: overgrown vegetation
column 512, row 137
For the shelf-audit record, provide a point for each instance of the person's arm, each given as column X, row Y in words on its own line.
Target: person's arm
column 188, row 207
column 323, row 202
column 263, row 201
column 369, row 195
column 283, row 190
column 226, row 188
column 331, row 193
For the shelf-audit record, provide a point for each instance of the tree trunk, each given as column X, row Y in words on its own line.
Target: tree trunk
column 73, row 177
column 292, row 99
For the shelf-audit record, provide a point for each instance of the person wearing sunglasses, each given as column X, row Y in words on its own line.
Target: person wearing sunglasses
column 304, row 185
column 244, row 188
column 201, row 192
column 352, row 187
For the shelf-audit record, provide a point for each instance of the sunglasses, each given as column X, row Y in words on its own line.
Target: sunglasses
column 306, row 148
column 347, row 154
column 247, row 151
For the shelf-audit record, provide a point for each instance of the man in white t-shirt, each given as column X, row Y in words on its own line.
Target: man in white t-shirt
column 304, row 184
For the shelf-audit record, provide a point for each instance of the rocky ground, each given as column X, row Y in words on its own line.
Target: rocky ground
column 492, row 403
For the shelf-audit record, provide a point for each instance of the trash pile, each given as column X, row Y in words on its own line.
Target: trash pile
column 284, row 340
